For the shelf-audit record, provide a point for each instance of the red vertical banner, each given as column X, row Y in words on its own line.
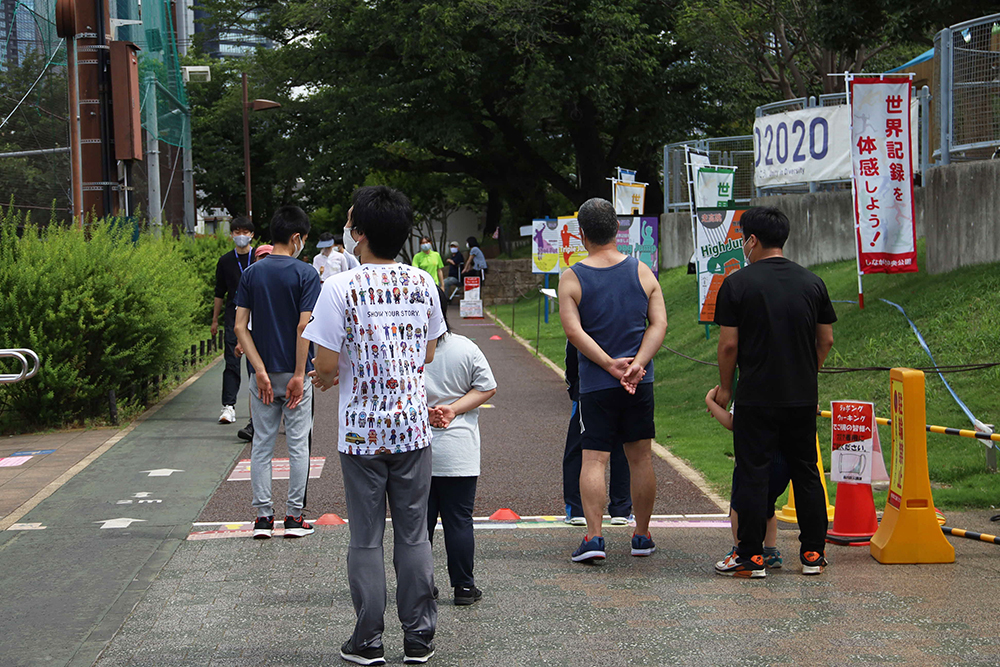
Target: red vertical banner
column 882, row 163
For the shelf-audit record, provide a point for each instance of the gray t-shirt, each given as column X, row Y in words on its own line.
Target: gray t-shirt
column 459, row 366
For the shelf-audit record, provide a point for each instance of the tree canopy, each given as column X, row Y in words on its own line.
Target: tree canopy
column 536, row 101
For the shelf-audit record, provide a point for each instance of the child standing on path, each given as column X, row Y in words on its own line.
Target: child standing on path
column 776, row 486
column 375, row 328
column 458, row 382
column 281, row 293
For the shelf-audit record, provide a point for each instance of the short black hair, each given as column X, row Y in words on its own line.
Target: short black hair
column 473, row 243
column 598, row 220
column 241, row 224
column 326, row 236
column 339, row 239
column 768, row 224
column 288, row 221
column 385, row 216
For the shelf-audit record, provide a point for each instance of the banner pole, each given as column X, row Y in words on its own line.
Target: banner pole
column 854, row 196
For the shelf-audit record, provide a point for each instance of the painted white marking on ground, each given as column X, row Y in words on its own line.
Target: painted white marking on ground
column 280, row 469
column 162, row 472
column 12, row 461
column 27, row 526
column 122, row 522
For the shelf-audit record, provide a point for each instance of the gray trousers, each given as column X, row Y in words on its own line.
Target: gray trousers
column 298, row 424
column 405, row 479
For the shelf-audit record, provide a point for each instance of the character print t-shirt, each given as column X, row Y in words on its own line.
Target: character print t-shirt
column 379, row 318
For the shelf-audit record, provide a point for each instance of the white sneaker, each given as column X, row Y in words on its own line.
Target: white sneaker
column 622, row 520
column 577, row 521
column 228, row 415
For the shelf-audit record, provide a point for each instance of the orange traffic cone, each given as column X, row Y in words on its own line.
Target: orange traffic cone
column 504, row 514
column 329, row 520
column 854, row 521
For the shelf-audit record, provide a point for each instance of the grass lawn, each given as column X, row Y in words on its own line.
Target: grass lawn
column 958, row 314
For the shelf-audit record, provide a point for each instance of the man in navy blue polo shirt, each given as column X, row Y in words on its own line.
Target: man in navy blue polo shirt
column 280, row 294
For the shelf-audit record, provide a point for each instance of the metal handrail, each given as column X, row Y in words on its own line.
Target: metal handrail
column 22, row 355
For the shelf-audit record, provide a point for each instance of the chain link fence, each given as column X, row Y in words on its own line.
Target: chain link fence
column 729, row 151
column 967, row 90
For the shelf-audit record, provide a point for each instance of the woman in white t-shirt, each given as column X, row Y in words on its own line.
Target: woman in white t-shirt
column 458, row 381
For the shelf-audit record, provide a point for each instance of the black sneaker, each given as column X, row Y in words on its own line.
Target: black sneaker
column 246, row 433
column 263, row 527
column 416, row 652
column 297, row 527
column 373, row 655
column 466, row 595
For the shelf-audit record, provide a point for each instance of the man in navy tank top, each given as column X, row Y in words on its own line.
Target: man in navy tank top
column 611, row 308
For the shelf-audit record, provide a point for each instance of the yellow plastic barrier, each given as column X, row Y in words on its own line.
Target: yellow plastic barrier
column 909, row 531
column 787, row 511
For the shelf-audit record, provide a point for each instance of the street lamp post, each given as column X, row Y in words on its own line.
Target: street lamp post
column 248, row 106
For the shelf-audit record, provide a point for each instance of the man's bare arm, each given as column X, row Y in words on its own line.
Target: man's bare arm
column 656, row 314
column 824, row 342
column 216, row 309
column 727, row 353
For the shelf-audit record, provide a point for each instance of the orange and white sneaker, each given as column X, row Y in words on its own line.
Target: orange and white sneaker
column 813, row 563
column 727, row 562
column 744, row 568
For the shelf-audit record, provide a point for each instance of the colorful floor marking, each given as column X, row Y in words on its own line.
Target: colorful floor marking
column 12, row 461
column 280, row 469
column 36, row 452
column 207, row 530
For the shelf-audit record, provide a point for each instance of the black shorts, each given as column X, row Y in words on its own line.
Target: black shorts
column 612, row 416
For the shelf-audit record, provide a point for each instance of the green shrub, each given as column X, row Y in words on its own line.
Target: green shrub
column 103, row 311
column 202, row 254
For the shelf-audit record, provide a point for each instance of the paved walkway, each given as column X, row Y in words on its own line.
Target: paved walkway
column 117, row 571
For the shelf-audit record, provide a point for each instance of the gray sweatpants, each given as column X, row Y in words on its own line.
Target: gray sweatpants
column 405, row 479
column 266, row 420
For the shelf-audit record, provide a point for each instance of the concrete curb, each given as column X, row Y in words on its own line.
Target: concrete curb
column 678, row 464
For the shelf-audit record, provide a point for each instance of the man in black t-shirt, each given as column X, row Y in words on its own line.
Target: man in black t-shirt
column 776, row 325
column 228, row 272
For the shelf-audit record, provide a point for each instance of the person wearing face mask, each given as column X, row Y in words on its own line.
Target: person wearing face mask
column 776, row 325
column 228, row 271
column 430, row 261
column 279, row 293
column 454, row 280
column 338, row 245
column 328, row 262
column 475, row 265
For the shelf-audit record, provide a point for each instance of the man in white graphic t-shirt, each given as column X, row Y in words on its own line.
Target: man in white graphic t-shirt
column 375, row 327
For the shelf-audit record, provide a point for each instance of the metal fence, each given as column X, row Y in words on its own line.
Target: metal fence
column 732, row 151
column 739, row 151
column 967, row 90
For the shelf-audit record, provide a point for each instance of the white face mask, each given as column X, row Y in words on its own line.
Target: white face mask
column 425, row 246
column 242, row 240
column 350, row 245
column 299, row 247
column 454, row 249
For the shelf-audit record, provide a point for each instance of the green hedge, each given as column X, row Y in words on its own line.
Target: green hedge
column 104, row 309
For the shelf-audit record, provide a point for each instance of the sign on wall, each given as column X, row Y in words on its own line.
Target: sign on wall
column 802, row 146
column 882, row 164
column 556, row 243
column 639, row 237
